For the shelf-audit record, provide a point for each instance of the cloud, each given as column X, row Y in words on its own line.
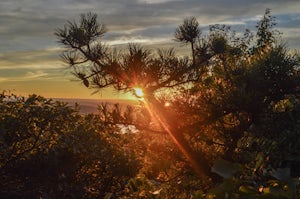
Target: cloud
column 42, row 58
column 25, row 75
column 29, row 24
column 156, row 1
column 36, row 74
column 29, row 52
column 14, row 74
column 28, row 76
column 137, row 40
column 2, row 79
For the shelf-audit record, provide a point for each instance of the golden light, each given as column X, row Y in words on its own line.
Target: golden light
column 138, row 92
column 167, row 104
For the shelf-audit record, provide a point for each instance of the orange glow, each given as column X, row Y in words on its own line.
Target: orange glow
column 159, row 116
column 167, row 104
column 139, row 92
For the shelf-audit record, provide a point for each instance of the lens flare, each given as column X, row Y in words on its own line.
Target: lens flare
column 167, row 104
column 138, row 92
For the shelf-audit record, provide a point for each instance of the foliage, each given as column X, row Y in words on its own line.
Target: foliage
column 188, row 32
column 48, row 150
column 230, row 129
column 99, row 66
column 229, row 95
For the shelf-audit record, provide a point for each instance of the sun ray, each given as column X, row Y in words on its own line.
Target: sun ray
column 159, row 115
column 157, row 111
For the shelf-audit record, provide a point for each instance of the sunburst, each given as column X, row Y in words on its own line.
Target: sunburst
column 139, row 92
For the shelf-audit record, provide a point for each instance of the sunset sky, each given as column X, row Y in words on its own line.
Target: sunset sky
column 29, row 52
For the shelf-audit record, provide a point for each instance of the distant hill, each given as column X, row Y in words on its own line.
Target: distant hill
column 91, row 105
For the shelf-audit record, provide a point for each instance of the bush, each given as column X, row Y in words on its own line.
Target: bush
column 49, row 150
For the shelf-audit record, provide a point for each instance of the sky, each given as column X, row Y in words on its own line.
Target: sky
column 29, row 51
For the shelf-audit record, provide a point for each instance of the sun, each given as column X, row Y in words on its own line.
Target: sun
column 167, row 104
column 139, row 92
